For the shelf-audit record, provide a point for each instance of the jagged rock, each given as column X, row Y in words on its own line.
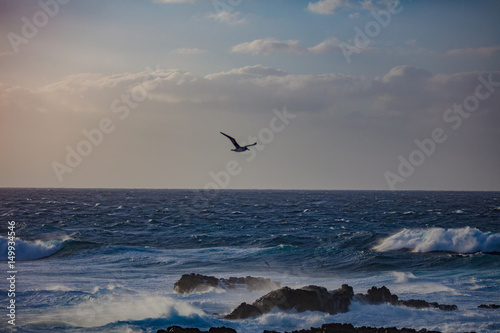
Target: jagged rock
column 383, row 295
column 195, row 282
column 221, row 330
column 189, row 283
column 349, row 328
column 491, row 306
column 421, row 304
column 378, row 296
column 310, row 298
column 244, row 310
column 325, row 328
column 178, row 329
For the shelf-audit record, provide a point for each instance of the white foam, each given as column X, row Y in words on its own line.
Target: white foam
column 29, row 250
column 100, row 311
column 460, row 240
column 403, row 277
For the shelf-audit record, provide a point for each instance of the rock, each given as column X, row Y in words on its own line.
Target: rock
column 349, row 328
column 244, row 310
column 221, row 330
column 491, row 306
column 421, row 304
column 189, row 283
column 178, row 329
column 338, row 328
column 310, row 298
column 380, row 295
column 415, row 303
column 383, row 295
column 325, row 328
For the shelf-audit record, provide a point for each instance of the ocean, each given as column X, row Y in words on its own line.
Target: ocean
column 99, row 260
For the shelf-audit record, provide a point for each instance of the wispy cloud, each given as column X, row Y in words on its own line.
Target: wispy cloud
column 326, row 6
column 231, row 18
column 329, row 45
column 486, row 52
column 268, row 46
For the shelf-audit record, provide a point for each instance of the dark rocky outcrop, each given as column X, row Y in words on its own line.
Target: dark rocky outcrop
column 314, row 298
column 421, row 304
column 326, row 328
column 178, row 329
column 349, row 328
column 189, row 283
column 490, row 306
column 383, row 295
column 310, row 298
column 376, row 295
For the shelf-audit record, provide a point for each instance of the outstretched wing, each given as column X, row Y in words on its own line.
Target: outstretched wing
column 253, row 144
column 232, row 140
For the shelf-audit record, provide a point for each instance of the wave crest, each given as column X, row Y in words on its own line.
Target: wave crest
column 460, row 240
column 30, row 250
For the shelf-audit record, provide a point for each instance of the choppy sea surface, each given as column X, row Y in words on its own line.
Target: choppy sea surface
column 95, row 260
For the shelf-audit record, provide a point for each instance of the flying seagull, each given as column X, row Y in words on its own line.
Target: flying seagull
column 239, row 148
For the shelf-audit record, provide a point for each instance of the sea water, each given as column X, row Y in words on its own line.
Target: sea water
column 95, row 260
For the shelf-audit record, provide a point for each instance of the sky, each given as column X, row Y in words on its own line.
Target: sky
column 338, row 94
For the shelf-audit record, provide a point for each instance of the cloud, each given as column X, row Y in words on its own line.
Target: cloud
column 403, row 90
column 247, row 72
column 231, row 18
column 329, row 45
column 326, row 6
column 268, row 46
column 188, row 51
column 185, row 110
column 271, row 45
column 485, row 52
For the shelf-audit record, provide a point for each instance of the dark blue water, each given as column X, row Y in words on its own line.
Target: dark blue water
column 106, row 260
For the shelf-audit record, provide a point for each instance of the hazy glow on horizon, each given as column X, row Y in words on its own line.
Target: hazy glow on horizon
column 338, row 94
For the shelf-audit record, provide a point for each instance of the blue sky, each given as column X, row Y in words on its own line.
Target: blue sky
column 209, row 66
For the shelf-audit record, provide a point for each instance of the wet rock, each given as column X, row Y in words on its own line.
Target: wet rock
column 189, row 283
column 421, row 304
column 178, row 329
column 383, row 295
column 349, row 328
column 310, row 298
column 244, row 310
column 326, row 328
column 490, row 306
column 378, row 296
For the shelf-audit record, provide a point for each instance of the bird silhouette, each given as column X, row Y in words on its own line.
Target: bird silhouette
column 238, row 148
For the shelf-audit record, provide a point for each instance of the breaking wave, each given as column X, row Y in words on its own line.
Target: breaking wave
column 460, row 240
column 30, row 250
